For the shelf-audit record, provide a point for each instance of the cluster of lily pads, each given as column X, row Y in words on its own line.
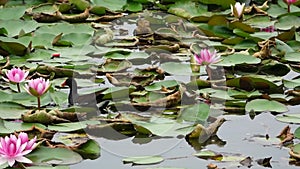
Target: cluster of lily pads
column 229, row 56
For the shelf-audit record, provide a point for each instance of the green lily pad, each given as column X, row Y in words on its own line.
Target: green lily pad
column 195, row 113
column 289, row 118
column 54, row 156
column 235, row 59
column 143, row 160
column 15, row 27
column 297, row 133
column 89, row 150
column 260, row 22
column 291, row 83
column 10, row 110
column 292, row 57
column 116, row 5
column 250, row 83
column 287, row 22
column 13, row 46
column 133, row 6
column 186, row 9
column 160, row 84
column 68, row 127
column 261, row 105
column 275, row 10
column 48, row 167
column 177, row 68
column 7, row 127
column 12, row 13
column 161, row 126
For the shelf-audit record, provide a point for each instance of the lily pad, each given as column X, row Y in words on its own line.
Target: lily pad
column 143, row 160
column 89, row 150
column 159, row 85
column 56, row 156
column 235, row 59
column 12, row 13
column 195, row 113
column 177, row 68
column 261, row 105
column 116, row 5
column 68, row 127
column 289, row 118
column 287, row 22
column 10, row 110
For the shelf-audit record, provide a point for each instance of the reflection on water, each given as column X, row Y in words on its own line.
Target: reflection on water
column 232, row 137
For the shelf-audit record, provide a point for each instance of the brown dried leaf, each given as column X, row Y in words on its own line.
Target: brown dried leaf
column 285, row 135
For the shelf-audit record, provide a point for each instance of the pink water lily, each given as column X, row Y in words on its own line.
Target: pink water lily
column 14, row 149
column 238, row 9
column 16, row 76
column 207, row 57
column 37, row 87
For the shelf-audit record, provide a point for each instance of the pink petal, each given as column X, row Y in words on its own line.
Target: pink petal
column 11, row 162
column 23, row 136
column 40, row 88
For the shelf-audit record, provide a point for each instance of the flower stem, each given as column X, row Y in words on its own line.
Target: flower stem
column 289, row 8
column 18, row 86
column 21, row 165
column 39, row 103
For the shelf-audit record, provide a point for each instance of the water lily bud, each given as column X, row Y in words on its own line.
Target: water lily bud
column 37, row 87
column 238, row 9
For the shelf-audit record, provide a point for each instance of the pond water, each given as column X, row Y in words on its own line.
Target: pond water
column 140, row 55
column 235, row 133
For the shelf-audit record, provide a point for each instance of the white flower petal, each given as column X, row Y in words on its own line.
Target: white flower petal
column 23, row 159
column 2, row 160
column 11, row 162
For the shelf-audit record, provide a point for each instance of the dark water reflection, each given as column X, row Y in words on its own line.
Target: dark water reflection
column 235, row 134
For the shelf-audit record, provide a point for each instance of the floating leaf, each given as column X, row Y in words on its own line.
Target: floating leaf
column 59, row 156
column 48, row 167
column 14, row 27
column 235, row 59
column 287, row 22
column 289, row 118
column 195, row 113
column 116, row 5
column 89, row 150
column 10, row 110
column 291, row 83
column 68, row 127
column 292, row 57
column 162, row 126
column 159, row 85
column 143, row 160
column 261, row 105
column 12, row 13
column 177, row 68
